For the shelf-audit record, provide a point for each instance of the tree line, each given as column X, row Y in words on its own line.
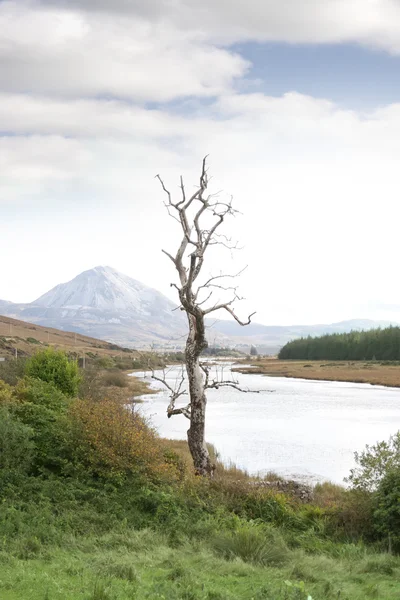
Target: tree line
column 376, row 344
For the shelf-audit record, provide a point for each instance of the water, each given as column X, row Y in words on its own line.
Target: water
column 304, row 429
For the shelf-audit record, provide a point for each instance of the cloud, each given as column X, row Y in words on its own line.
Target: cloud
column 369, row 22
column 66, row 52
column 82, row 140
column 316, row 184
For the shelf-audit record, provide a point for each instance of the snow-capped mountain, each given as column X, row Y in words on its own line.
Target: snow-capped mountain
column 106, row 289
column 104, row 303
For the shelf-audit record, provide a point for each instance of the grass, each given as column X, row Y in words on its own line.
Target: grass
column 143, row 565
column 376, row 373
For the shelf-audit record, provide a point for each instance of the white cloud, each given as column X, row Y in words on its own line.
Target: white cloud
column 317, row 184
column 53, row 51
column 370, row 22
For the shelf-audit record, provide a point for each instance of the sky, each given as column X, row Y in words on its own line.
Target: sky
column 296, row 102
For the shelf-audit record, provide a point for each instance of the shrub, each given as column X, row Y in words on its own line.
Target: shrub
column 374, row 462
column 115, row 378
column 5, row 393
column 114, row 442
column 351, row 517
column 55, row 367
column 16, row 445
column 42, row 407
column 254, row 544
column 12, row 370
column 105, row 362
column 42, row 393
column 387, row 511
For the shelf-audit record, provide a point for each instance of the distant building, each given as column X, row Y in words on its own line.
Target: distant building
column 2, row 359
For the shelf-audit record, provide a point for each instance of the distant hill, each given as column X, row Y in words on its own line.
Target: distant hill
column 27, row 338
column 270, row 338
column 104, row 303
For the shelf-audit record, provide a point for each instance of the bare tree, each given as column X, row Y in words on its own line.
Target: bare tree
column 200, row 216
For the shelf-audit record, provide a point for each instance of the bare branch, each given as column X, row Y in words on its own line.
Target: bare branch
column 175, row 393
column 232, row 384
column 169, row 256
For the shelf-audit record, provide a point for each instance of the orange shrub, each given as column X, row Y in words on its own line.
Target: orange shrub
column 113, row 441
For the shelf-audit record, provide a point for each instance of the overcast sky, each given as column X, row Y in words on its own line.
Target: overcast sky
column 296, row 101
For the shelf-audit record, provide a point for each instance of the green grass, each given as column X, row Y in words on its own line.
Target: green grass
column 61, row 539
column 141, row 564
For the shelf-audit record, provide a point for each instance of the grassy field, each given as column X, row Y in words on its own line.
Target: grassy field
column 142, row 564
column 376, row 373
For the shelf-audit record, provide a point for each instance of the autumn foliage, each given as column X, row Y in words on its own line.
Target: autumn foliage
column 115, row 441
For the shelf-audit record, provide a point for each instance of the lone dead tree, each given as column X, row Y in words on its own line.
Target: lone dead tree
column 200, row 216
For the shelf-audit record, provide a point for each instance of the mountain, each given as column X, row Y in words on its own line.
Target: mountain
column 106, row 304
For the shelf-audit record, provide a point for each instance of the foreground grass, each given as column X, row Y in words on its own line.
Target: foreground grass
column 144, row 564
column 376, row 373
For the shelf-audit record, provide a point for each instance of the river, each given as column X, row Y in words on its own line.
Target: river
column 303, row 429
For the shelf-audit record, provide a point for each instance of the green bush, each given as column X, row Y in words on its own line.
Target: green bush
column 41, row 393
column 12, row 370
column 374, row 462
column 254, row 544
column 54, row 366
column 6, row 393
column 387, row 511
column 42, row 407
column 105, row 362
column 16, row 445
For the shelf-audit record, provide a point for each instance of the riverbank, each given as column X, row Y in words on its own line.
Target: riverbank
column 375, row 373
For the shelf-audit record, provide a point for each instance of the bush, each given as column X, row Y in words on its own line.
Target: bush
column 5, row 393
column 16, row 445
column 114, row 442
column 115, row 378
column 387, row 511
column 55, row 367
column 12, row 370
column 105, row 362
column 374, row 463
column 42, row 407
column 351, row 516
column 42, row 393
column 253, row 543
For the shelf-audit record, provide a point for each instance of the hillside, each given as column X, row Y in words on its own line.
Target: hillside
column 28, row 337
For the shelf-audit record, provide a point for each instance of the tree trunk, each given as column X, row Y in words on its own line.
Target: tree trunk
column 195, row 344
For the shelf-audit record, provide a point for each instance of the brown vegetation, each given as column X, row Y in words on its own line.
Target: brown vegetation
column 27, row 338
column 387, row 374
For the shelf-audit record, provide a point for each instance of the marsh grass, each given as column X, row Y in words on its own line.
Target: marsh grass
column 376, row 373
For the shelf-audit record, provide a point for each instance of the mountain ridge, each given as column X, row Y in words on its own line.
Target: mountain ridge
column 106, row 304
